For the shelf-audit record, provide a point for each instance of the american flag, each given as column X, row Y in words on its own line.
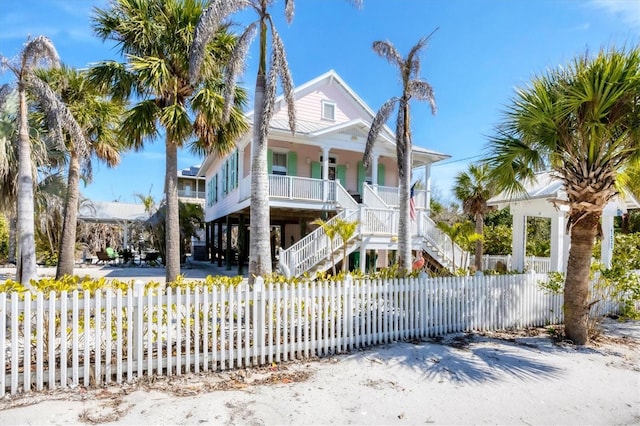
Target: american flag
column 412, row 204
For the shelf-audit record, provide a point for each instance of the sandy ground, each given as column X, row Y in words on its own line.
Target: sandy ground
column 497, row 378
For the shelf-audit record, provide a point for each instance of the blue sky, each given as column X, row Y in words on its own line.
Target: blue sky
column 482, row 51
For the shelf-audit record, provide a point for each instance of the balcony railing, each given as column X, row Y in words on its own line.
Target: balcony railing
column 293, row 188
column 391, row 195
column 191, row 194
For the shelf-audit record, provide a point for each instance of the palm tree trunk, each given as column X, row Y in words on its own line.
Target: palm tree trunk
column 172, row 236
column 26, row 253
column 66, row 252
column 576, row 287
column 404, row 228
column 259, row 243
column 479, row 242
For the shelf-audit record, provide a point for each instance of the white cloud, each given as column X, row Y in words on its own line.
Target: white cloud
column 627, row 10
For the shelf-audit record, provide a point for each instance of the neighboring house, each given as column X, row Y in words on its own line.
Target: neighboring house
column 191, row 187
column 318, row 173
column 541, row 200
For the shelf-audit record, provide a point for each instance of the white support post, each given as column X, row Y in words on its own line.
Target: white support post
column 519, row 239
column 427, row 187
column 558, row 234
column 606, row 251
column 325, row 173
column 374, row 170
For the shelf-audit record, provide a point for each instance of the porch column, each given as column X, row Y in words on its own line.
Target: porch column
column 325, row 173
column 374, row 171
column 427, row 187
column 606, row 250
column 242, row 248
column 207, row 238
column 558, row 234
column 219, row 243
column 228, row 256
column 519, row 240
column 325, row 163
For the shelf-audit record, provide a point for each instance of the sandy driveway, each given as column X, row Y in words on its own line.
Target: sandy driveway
column 461, row 379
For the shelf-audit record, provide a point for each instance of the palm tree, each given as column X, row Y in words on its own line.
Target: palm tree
column 264, row 101
column 582, row 122
column 331, row 232
column 461, row 233
column 474, row 187
column 413, row 87
column 36, row 52
column 155, row 36
column 345, row 230
column 98, row 118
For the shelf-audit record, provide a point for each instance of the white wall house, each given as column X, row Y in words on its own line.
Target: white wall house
column 315, row 173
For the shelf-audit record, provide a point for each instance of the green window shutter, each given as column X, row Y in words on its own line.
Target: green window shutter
column 292, row 163
column 341, row 174
column 361, row 176
column 316, row 170
column 225, row 177
column 381, row 174
column 215, row 189
column 269, row 161
column 235, row 182
column 232, row 171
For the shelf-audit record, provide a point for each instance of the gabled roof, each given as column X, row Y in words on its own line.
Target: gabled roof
column 545, row 185
column 355, row 127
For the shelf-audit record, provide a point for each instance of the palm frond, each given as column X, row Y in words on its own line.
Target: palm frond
column 387, row 50
column 177, row 123
column 269, row 96
column 422, row 91
column 235, row 67
column 140, row 123
column 58, row 115
column 114, row 77
column 39, row 50
column 381, row 117
column 207, row 26
column 289, row 8
column 281, row 67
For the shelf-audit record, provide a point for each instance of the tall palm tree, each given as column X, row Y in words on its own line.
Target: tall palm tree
column 474, row 187
column 155, row 36
column 264, row 99
column 582, row 122
column 413, row 87
column 98, row 117
column 38, row 51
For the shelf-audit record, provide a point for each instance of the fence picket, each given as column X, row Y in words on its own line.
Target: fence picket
column 51, row 341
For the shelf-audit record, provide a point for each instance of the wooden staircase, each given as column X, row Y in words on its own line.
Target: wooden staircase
column 312, row 253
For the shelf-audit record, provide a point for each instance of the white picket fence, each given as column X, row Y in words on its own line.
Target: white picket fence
column 80, row 339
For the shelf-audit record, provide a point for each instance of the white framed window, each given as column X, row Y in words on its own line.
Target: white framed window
column 279, row 165
column 328, row 110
